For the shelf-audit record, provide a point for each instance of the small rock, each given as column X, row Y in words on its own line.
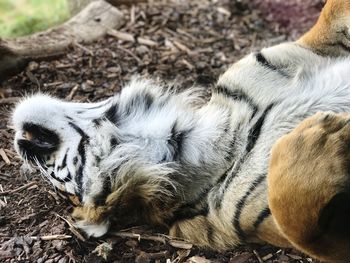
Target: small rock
column 141, row 50
column 103, row 250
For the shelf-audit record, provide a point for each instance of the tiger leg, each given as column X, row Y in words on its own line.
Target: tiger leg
column 215, row 231
column 309, row 186
column 330, row 36
column 206, row 232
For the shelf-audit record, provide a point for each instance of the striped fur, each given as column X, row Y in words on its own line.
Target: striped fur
column 201, row 167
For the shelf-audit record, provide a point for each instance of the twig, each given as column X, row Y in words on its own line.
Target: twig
column 10, row 100
column 159, row 238
column 131, row 54
column 126, row 235
column 51, row 237
column 72, row 228
column 258, row 256
column 17, row 189
column 72, row 92
column 84, row 48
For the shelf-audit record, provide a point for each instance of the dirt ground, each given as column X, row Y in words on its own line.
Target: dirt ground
column 185, row 42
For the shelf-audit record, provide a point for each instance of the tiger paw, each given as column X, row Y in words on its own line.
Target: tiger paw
column 91, row 220
column 309, row 186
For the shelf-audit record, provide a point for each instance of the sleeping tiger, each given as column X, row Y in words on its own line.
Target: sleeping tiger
column 256, row 163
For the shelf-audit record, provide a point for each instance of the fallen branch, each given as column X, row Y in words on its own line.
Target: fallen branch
column 88, row 25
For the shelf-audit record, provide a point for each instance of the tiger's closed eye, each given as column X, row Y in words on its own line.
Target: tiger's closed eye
column 27, row 135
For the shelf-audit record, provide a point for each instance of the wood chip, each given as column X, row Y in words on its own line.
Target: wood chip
column 72, row 92
column 197, row 259
column 121, row 35
column 296, row 257
column 4, row 156
column 267, row 257
column 180, row 244
column 146, row 42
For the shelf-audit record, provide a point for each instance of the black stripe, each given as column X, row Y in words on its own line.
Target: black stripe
column 265, row 213
column 56, row 178
column 267, row 64
column 254, row 132
column 197, row 207
column 176, row 141
column 113, row 142
column 78, row 130
column 188, row 212
column 100, row 199
column 210, row 234
column 79, row 176
column 142, row 99
column 111, row 114
column 237, row 94
column 81, row 151
column 64, row 161
column 241, row 204
column 231, row 173
column 68, row 177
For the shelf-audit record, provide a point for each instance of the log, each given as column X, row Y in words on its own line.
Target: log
column 125, row 2
column 90, row 24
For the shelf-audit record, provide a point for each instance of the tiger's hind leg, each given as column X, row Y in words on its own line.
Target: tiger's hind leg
column 331, row 34
column 309, row 186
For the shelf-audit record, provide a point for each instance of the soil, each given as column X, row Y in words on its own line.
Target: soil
column 184, row 42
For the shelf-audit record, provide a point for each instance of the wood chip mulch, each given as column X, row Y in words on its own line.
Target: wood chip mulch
column 184, row 42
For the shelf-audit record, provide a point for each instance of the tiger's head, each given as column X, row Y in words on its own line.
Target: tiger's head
column 49, row 136
column 133, row 151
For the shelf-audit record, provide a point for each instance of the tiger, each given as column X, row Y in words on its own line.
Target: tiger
column 264, row 160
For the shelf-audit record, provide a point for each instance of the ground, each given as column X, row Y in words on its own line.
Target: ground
column 184, row 42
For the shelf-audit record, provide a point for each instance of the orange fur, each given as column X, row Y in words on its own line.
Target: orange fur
column 308, row 168
column 330, row 36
